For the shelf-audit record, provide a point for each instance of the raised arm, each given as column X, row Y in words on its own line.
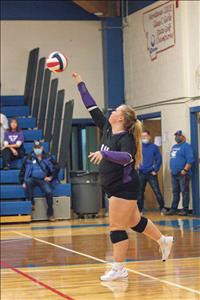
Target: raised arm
column 96, row 114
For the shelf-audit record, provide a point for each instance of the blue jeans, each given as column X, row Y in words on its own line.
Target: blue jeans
column 153, row 181
column 180, row 184
column 31, row 183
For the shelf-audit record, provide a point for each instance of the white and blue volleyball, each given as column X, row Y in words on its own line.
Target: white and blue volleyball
column 57, row 62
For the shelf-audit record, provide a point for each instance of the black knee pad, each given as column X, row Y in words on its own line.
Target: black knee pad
column 118, row 236
column 140, row 227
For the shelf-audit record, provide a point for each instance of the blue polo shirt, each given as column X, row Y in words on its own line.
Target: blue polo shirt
column 180, row 155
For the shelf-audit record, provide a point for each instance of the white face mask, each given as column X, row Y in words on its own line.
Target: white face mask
column 37, row 151
column 145, row 141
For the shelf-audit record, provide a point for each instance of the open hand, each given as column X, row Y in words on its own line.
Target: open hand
column 48, row 179
column 95, row 157
column 153, row 173
column 77, row 77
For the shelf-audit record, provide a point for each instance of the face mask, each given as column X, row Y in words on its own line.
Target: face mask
column 37, row 151
column 145, row 141
column 178, row 139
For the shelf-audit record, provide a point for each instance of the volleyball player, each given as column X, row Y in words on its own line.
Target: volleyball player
column 119, row 156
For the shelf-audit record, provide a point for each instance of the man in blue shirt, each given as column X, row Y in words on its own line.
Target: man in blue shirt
column 39, row 169
column 181, row 159
column 148, row 171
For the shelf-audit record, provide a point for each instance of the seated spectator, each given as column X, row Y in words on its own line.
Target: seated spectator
column 148, row 171
column 39, row 169
column 181, row 160
column 13, row 144
column 4, row 127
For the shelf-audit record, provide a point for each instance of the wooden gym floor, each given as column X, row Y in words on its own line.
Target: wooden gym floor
column 63, row 260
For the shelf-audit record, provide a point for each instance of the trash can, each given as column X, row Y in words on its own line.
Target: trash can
column 86, row 192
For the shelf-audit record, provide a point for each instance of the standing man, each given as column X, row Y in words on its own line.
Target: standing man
column 39, row 169
column 148, row 171
column 181, row 159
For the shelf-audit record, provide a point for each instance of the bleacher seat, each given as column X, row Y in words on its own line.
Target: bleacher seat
column 15, row 111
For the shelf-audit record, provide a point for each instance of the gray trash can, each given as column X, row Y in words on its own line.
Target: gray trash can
column 86, row 192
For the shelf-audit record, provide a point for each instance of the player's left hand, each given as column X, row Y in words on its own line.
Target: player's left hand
column 95, row 157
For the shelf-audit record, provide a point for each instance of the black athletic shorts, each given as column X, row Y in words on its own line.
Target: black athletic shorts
column 127, row 191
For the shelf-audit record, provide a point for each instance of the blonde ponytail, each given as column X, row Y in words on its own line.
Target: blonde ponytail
column 137, row 132
column 134, row 126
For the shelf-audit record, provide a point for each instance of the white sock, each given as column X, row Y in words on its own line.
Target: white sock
column 118, row 266
column 160, row 241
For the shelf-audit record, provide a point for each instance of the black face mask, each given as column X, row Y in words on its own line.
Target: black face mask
column 178, row 139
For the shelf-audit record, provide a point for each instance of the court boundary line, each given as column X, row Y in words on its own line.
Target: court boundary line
column 89, row 225
column 103, row 261
column 31, row 278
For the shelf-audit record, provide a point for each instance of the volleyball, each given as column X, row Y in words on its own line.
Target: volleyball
column 57, row 62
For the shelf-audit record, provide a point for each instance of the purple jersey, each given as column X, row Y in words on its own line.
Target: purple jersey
column 13, row 137
column 118, row 150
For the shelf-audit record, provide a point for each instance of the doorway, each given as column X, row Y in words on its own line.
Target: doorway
column 195, row 142
column 152, row 123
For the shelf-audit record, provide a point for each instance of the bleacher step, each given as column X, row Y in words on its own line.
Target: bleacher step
column 12, row 100
column 15, row 111
column 15, row 219
column 31, row 135
column 17, row 191
column 27, row 122
column 12, row 176
column 12, row 208
column 16, row 164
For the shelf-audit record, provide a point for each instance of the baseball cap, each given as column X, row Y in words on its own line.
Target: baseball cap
column 179, row 132
column 37, row 144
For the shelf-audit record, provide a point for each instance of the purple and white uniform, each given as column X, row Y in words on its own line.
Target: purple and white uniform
column 117, row 169
column 11, row 138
